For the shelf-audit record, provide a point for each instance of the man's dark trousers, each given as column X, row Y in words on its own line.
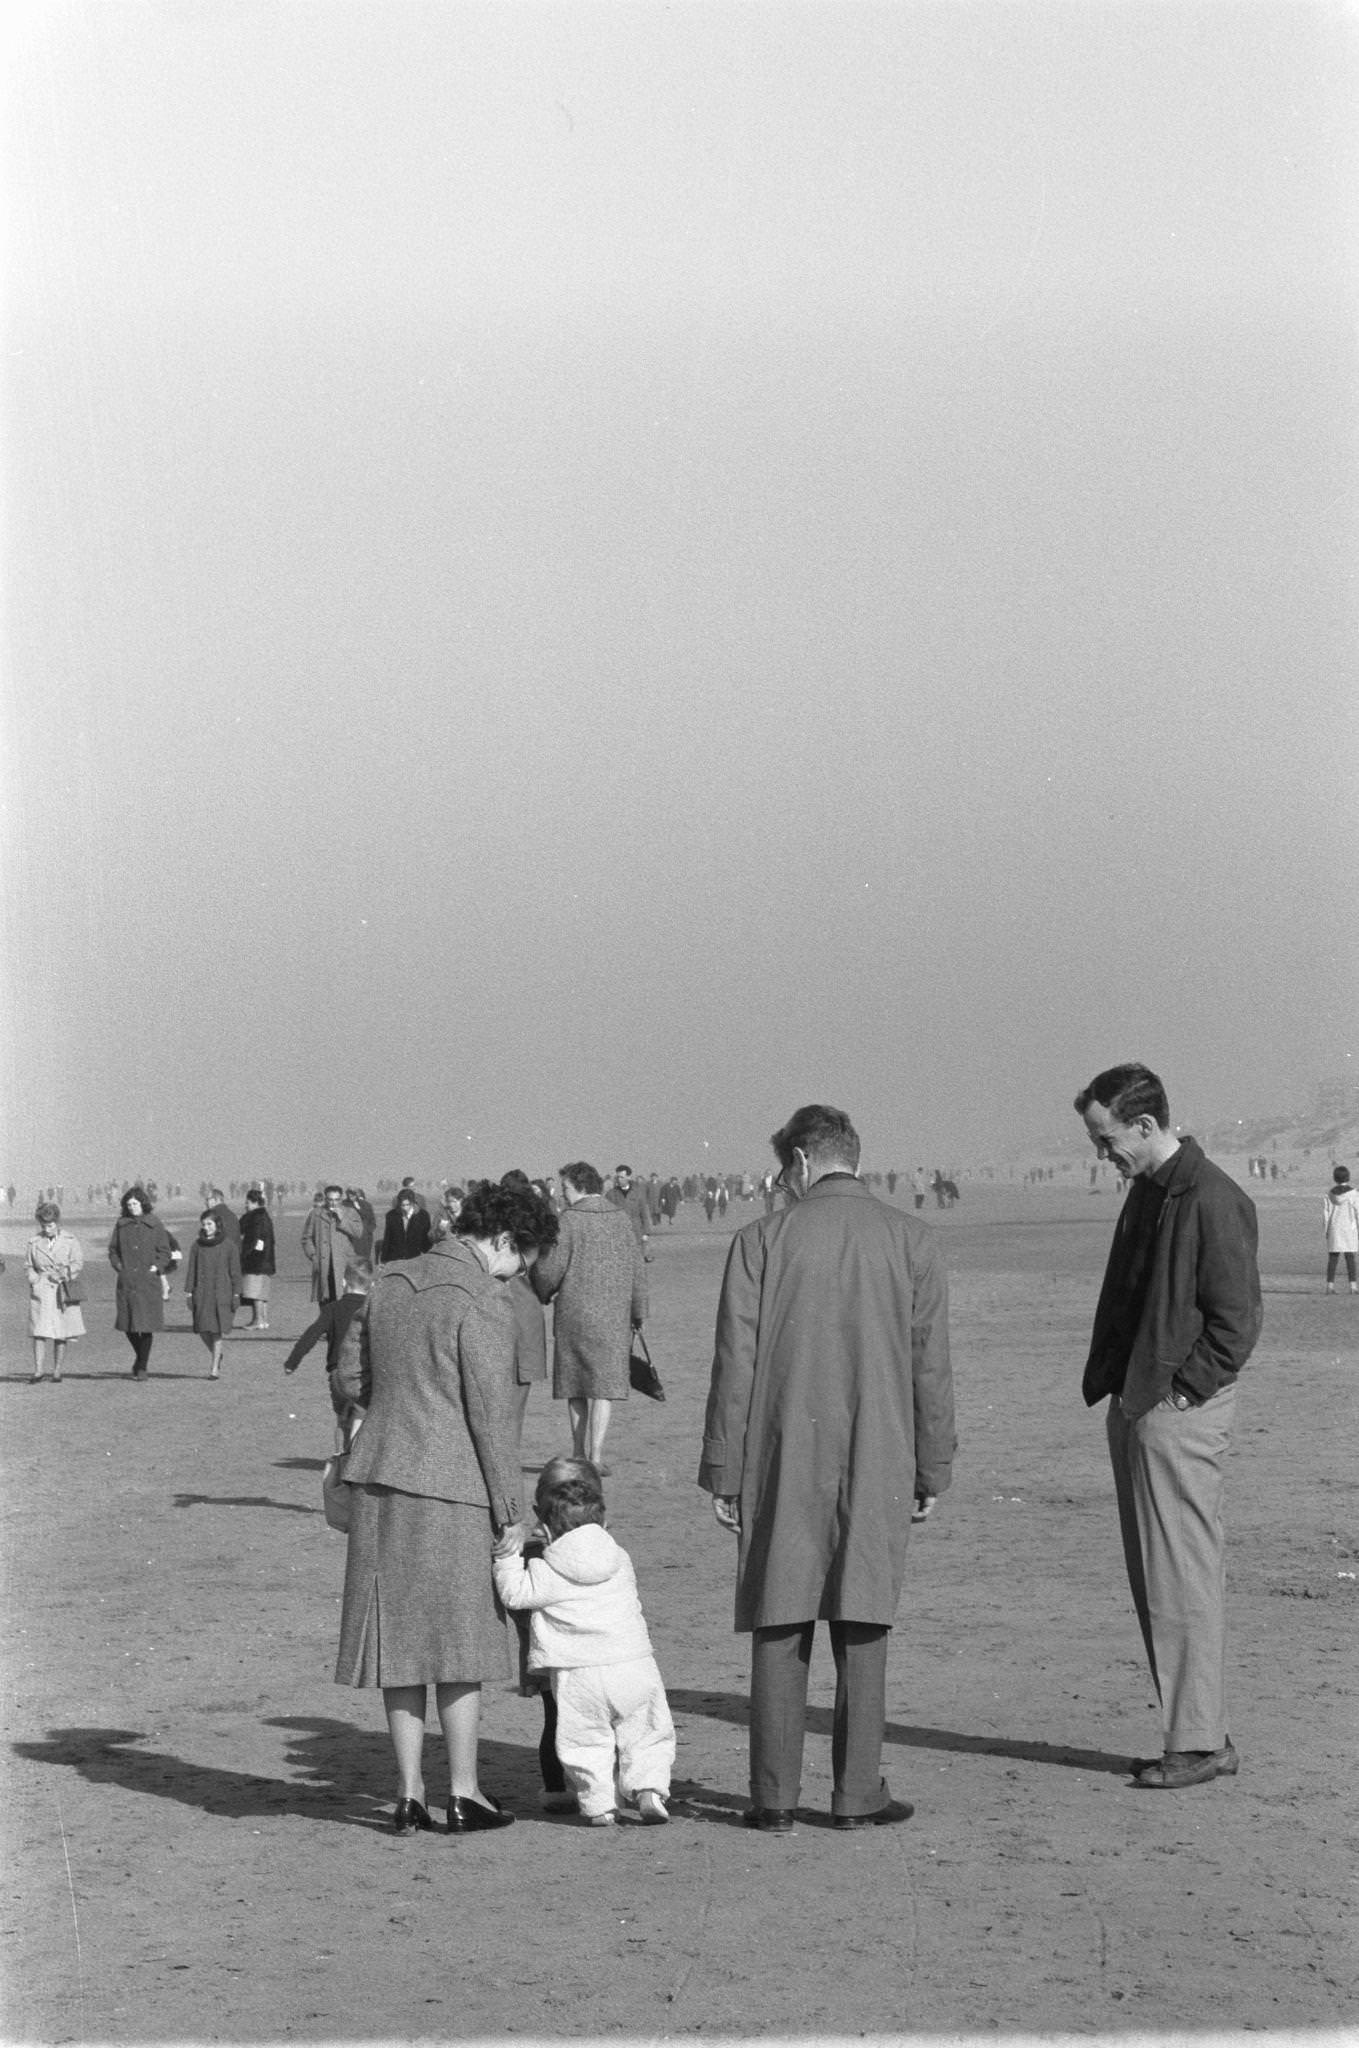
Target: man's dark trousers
column 779, row 1663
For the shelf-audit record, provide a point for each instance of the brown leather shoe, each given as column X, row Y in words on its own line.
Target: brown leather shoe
column 1177, row 1769
column 1226, row 1761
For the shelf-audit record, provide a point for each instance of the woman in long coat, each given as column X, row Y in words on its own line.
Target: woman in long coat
column 143, row 1257
column 212, row 1281
column 53, row 1257
column 596, row 1279
column 257, row 1258
column 434, row 1482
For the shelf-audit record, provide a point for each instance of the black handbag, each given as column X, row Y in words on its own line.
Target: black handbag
column 643, row 1377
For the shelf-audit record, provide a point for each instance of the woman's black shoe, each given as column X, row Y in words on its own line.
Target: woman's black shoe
column 469, row 1816
column 410, row 1814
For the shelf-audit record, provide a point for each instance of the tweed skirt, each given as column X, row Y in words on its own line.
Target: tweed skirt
column 420, row 1605
column 589, row 1372
column 255, row 1287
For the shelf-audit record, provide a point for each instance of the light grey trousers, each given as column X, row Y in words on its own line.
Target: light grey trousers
column 1168, row 1474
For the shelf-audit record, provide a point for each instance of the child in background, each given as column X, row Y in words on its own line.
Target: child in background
column 587, row 1630
column 338, row 1321
column 1342, row 1229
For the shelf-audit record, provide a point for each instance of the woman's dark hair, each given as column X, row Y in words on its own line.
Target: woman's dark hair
column 568, row 1495
column 255, row 1197
column 524, row 1217
column 210, row 1216
column 515, row 1177
column 48, row 1212
column 584, row 1176
column 135, row 1193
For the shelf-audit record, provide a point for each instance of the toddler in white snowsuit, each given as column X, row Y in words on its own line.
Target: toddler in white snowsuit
column 587, row 1631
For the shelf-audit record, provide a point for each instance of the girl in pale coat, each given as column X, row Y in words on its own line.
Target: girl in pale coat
column 53, row 1257
column 1342, row 1229
column 588, row 1632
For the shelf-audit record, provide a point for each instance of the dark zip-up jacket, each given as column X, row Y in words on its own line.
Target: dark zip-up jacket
column 1200, row 1315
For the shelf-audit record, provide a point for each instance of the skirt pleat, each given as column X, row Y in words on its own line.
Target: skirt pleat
column 420, row 1604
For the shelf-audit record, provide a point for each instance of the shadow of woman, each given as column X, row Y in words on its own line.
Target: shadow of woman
column 331, row 1755
column 335, row 1772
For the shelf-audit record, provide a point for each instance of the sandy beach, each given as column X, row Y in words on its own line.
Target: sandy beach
column 195, row 1815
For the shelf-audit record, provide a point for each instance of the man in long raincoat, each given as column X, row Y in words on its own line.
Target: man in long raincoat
column 829, row 1430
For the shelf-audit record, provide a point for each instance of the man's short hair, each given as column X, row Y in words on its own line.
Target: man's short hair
column 824, row 1134
column 1127, row 1092
column 333, row 1188
column 584, row 1176
column 622, row 1169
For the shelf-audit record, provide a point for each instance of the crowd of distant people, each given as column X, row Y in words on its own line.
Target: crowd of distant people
column 829, row 1430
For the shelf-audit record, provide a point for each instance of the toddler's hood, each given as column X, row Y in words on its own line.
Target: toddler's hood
column 586, row 1556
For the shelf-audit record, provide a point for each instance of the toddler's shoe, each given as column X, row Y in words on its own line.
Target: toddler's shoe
column 602, row 1820
column 652, row 1808
column 560, row 1802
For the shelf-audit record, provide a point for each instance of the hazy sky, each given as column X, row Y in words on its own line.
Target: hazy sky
column 581, row 575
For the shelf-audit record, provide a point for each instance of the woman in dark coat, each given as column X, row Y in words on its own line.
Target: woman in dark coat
column 434, row 1483
column 408, row 1230
column 212, row 1281
column 141, row 1254
column 257, row 1258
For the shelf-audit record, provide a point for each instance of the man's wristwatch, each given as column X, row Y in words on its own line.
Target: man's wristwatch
column 1181, row 1400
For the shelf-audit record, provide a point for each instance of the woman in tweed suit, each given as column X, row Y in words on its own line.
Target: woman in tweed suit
column 434, row 1477
column 596, row 1278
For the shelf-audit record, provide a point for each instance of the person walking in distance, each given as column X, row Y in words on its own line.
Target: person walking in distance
column 1342, row 1230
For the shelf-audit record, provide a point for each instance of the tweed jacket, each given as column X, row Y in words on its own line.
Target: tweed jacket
column 1201, row 1312
column 436, row 1376
column 831, row 1401
column 595, row 1277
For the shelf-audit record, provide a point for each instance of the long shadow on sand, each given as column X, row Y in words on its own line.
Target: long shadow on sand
column 735, row 1707
column 242, row 1500
column 336, row 1772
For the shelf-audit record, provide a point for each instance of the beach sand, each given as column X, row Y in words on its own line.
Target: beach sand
column 194, row 1816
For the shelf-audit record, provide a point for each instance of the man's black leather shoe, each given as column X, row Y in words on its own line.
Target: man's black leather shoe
column 770, row 1820
column 895, row 1810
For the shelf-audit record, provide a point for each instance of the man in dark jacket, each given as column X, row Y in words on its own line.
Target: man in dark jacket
column 829, row 1431
column 632, row 1198
column 1178, row 1316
